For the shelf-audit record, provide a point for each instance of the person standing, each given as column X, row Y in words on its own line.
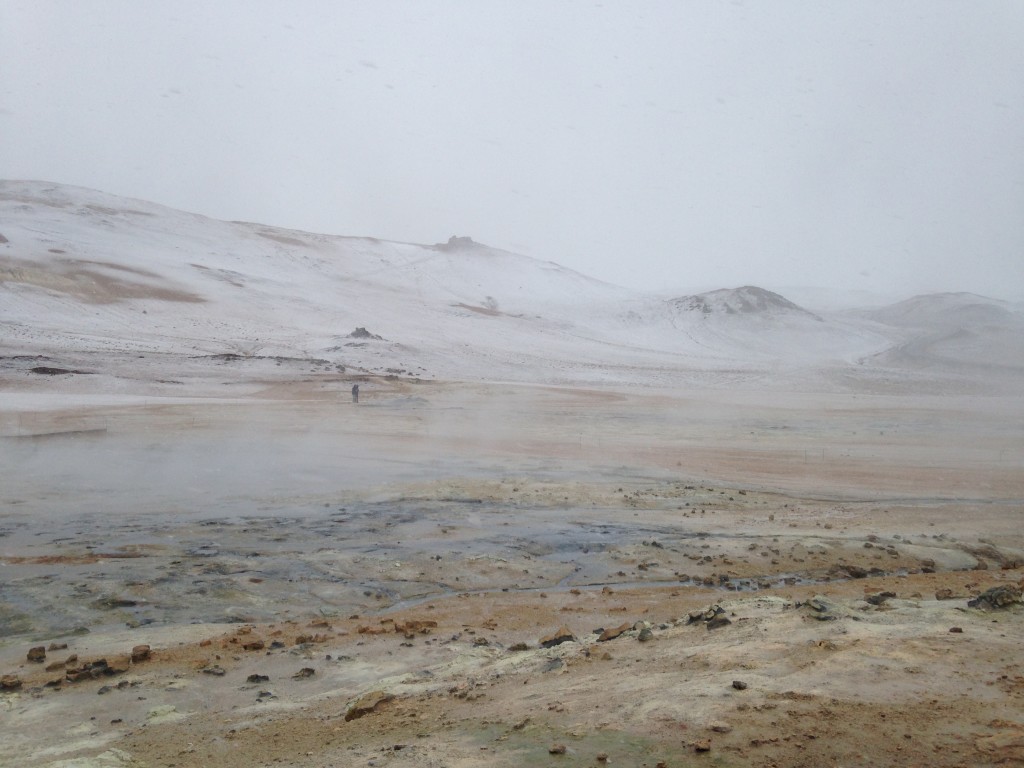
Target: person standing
column 355, row 393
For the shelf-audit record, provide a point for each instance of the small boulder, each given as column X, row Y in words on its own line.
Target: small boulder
column 140, row 653
column 366, row 704
column 611, row 634
column 10, row 683
column 994, row 598
column 559, row 636
column 37, row 654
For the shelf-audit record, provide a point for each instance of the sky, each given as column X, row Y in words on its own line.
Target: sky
column 663, row 146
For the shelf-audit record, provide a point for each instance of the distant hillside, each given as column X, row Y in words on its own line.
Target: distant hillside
column 959, row 332
column 83, row 273
column 747, row 300
column 944, row 310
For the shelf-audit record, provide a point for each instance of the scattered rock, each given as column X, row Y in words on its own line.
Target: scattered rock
column 257, row 678
column 559, row 636
column 37, row 654
column 414, row 627
column 303, row 673
column 1002, row 596
column 557, row 749
column 140, row 653
column 704, row 615
column 944, row 594
column 880, row 598
column 956, row 630
column 254, row 645
column 718, row 621
column 10, row 683
column 739, row 685
column 823, row 609
column 214, row 670
column 611, row 634
column 366, row 704
column 703, row 745
column 720, row 727
column 647, row 634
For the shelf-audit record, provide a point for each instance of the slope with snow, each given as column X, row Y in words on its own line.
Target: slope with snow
column 957, row 332
column 85, row 272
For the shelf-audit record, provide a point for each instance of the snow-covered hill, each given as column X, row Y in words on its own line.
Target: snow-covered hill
column 962, row 332
column 90, row 273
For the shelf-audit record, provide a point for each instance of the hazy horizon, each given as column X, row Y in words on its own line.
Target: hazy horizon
column 659, row 146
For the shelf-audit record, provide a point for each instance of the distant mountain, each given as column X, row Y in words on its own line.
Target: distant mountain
column 944, row 310
column 747, row 300
column 89, row 276
column 958, row 332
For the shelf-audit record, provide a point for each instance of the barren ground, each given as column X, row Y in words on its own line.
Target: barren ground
column 421, row 545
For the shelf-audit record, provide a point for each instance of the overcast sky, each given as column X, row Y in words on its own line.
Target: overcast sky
column 658, row 145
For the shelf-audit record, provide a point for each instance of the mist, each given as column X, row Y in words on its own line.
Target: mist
column 659, row 146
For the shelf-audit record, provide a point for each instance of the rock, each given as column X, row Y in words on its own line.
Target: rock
column 646, row 634
column 1002, row 596
column 140, row 653
column 703, row 745
column 956, row 630
column 57, row 647
column 739, row 685
column 880, row 598
column 10, row 683
column 253, row 645
column 257, row 678
column 557, row 749
column 214, row 670
column 720, row 727
column 303, row 673
column 705, row 615
column 611, row 634
column 822, row 609
column 414, row 627
column 37, row 654
column 366, row 704
column 718, row 621
column 559, row 636
column 944, row 594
